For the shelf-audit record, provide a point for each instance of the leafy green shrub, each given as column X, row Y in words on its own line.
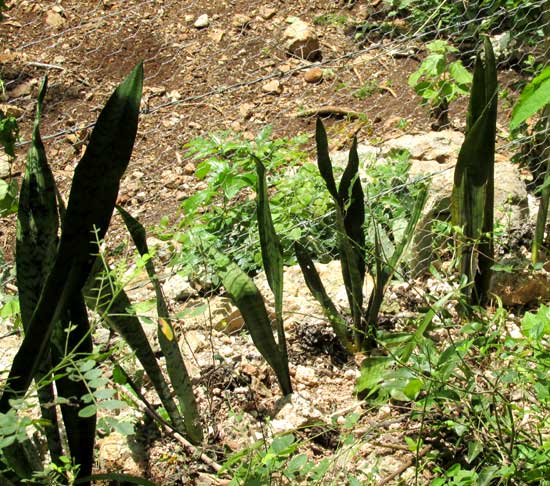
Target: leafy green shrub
column 278, row 462
column 481, row 391
column 439, row 81
column 224, row 212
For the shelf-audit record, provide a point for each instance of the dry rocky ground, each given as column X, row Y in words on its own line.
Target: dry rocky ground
column 214, row 66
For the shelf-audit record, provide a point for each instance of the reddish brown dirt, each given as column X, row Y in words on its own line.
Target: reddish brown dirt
column 197, row 80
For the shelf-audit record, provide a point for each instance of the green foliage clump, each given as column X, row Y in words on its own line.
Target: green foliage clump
column 9, row 131
column 330, row 19
column 280, row 462
column 352, row 210
column 464, row 22
column 481, row 390
column 439, row 81
column 223, row 214
column 390, row 205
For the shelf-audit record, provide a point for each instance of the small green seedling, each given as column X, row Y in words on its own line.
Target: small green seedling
column 439, row 81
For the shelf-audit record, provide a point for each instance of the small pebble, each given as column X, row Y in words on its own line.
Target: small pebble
column 202, row 22
column 272, row 87
column 313, row 75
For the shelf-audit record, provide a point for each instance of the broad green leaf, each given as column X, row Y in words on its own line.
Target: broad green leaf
column 535, row 326
column 373, row 372
column 282, row 443
column 297, row 463
column 459, row 73
column 475, row 448
column 87, row 365
column 123, row 428
column 88, row 411
column 112, row 404
column 532, row 99
column 104, row 393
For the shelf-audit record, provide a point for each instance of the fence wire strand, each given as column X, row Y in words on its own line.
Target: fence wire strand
column 202, row 80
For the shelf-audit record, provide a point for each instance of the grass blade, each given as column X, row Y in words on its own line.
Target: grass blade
column 168, row 343
column 91, row 202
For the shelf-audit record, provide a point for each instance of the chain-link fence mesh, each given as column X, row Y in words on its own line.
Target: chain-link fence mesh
column 232, row 70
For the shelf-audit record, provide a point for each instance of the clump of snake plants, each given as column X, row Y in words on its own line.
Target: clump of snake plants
column 350, row 214
column 59, row 273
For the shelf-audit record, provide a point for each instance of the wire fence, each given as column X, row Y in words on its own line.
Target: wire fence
column 232, row 70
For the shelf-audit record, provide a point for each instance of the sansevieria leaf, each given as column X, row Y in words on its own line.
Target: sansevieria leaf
column 112, row 304
column 246, row 296
column 385, row 267
column 35, row 250
column 169, row 346
column 473, row 190
column 91, row 202
column 272, row 253
column 350, row 217
column 317, row 289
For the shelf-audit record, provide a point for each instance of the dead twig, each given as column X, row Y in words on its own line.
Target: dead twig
column 329, row 110
column 408, row 463
column 388, row 89
column 45, row 66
